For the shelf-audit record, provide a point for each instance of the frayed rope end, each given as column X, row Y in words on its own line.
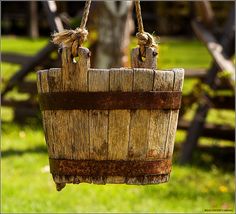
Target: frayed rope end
column 70, row 38
column 147, row 40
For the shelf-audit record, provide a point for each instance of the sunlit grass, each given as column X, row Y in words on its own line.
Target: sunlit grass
column 28, row 186
column 22, row 44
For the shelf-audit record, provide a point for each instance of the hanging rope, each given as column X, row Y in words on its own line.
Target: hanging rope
column 85, row 14
column 74, row 38
column 144, row 39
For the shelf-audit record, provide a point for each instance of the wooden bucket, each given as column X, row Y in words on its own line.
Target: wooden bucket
column 110, row 125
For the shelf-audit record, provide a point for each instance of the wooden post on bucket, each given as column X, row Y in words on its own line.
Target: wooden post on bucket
column 149, row 61
column 75, row 78
column 72, row 76
column 75, row 69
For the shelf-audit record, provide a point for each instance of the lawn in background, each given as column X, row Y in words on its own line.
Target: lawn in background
column 27, row 185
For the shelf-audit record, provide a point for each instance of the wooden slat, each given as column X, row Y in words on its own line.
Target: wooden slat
column 159, row 119
column 215, row 49
column 74, row 77
column 178, row 85
column 80, row 119
column 61, row 124
column 139, row 124
column 72, row 144
column 138, row 116
column 55, row 119
column 195, row 73
column 212, row 130
column 42, row 85
column 140, row 119
column 119, row 120
column 98, row 120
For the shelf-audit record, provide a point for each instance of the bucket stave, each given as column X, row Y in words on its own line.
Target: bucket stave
column 110, row 125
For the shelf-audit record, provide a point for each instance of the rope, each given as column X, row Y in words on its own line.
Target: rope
column 85, row 14
column 74, row 38
column 139, row 16
column 144, row 39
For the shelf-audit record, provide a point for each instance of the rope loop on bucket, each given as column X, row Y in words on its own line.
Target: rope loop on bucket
column 75, row 38
column 144, row 39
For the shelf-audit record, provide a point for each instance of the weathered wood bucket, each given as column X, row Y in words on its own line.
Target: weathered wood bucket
column 110, row 125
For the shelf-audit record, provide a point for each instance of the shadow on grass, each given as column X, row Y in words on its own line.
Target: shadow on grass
column 12, row 127
column 31, row 123
column 14, row 152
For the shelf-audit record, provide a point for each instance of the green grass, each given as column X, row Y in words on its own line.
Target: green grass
column 22, row 44
column 27, row 186
column 183, row 53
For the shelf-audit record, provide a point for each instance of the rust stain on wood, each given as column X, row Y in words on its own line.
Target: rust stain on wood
column 105, row 168
column 110, row 100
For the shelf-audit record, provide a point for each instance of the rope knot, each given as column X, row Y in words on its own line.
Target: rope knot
column 71, row 39
column 145, row 39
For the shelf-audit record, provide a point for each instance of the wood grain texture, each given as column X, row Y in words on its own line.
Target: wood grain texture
column 140, row 119
column 80, row 118
column 55, row 148
column 98, row 120
column 119, row 120
column 68, row 142
column 74, row 77
column 178, row 85
column 139, row 124
column 150, row 60
column 42, row 87
column 56, row 135
column 108, row 135
column 159, row 119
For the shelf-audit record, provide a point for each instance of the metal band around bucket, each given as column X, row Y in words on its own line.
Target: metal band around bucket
column 110, row 100
column 109, row 167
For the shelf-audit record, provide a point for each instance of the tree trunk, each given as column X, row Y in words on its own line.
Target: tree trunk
column 33, row 30
column 114, row 26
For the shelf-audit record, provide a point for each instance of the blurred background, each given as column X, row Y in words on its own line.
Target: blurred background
column 197, row 36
